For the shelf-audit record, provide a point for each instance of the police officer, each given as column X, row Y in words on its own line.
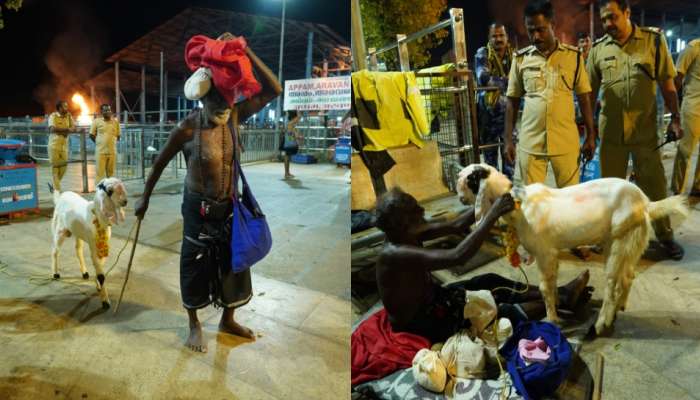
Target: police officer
column 688, row 68
column 626, row 65
column 60, row 125
column 105, row 132
column 492, row 64
column 546, row 74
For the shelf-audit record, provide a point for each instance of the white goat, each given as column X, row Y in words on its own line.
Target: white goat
column 73, row 215
column 610, row 212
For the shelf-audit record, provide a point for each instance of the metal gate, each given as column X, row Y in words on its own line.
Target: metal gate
column 448, row 97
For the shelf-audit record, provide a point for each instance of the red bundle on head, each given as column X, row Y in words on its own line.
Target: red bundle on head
column 231, row 69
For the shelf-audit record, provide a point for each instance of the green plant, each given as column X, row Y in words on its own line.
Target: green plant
column 9, row 5
column 383, row 19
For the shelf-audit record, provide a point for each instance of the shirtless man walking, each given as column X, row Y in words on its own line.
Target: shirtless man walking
column 207, row 137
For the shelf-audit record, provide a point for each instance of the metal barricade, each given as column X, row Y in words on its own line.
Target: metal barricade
column 259, row 144
column 137, row 148
column 445, row 98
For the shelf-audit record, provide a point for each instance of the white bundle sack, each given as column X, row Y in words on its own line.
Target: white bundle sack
column 429, row 371
column 480, row 309
column 464, row 357
column 198, row 84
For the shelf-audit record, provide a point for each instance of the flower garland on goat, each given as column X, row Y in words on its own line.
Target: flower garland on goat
column 101, row 241
column 511, row 242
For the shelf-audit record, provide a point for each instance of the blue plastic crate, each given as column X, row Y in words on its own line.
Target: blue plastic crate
column 304, row 159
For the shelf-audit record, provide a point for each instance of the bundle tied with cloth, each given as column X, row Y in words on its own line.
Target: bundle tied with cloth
column 220, row 61
column 468, row 354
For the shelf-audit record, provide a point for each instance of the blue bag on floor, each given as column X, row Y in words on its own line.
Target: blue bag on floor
column 537, row 380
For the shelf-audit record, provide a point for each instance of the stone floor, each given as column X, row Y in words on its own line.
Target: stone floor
column 58, row 343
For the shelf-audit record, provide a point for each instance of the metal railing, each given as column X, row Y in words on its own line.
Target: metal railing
column 137, row 148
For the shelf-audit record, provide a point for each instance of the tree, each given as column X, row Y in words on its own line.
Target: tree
column 383, row 19
column 9, row 5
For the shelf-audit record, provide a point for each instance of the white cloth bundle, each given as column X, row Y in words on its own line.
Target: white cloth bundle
column 198, row 84
column 464, row 357
column 480, row 309
column 429, row 371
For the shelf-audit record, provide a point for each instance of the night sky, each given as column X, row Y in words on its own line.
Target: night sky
column 107, row 26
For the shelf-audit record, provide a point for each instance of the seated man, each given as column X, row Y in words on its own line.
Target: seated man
column 417, row 305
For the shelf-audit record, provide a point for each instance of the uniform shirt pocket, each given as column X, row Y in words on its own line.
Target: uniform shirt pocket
column 533, row 80
column 609, row 69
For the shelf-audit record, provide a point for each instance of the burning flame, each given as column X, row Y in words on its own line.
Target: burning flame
column 84, row 118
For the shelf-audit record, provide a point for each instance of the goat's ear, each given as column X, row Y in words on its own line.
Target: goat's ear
column 105, row 205
column 484, row 200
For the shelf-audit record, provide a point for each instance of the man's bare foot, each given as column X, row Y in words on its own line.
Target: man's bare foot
column 289, row 176
column 234, row 328
column 572, row 291
column 195, row 341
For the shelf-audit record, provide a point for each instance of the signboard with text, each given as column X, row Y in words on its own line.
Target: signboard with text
column 317, row 94
column 18, row 188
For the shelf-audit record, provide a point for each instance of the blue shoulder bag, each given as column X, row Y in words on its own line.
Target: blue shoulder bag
column 250, row 235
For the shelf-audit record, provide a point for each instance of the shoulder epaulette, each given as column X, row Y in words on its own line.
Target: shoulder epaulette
column 523, row 51
column 599, row 41
column 651, row 29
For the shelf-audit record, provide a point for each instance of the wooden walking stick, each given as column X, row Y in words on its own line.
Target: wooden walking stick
column 128, row 268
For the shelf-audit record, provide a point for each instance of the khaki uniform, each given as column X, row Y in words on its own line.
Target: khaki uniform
column 58, row 146
column 689, row 65
column 107, row 133
column 627, row 76
column 548, row 131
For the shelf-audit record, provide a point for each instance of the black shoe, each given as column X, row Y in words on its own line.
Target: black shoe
column 673, row 249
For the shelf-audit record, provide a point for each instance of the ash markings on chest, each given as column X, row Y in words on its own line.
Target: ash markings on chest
column 216, row 146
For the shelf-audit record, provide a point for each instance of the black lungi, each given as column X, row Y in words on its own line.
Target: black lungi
column 205, row 259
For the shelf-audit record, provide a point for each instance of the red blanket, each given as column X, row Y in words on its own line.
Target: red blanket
column 377, row 351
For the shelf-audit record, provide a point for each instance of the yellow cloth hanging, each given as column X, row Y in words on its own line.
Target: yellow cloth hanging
column 397, row 105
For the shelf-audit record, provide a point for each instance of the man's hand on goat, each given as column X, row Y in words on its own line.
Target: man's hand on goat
column 140, row 207
column 502, row 205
